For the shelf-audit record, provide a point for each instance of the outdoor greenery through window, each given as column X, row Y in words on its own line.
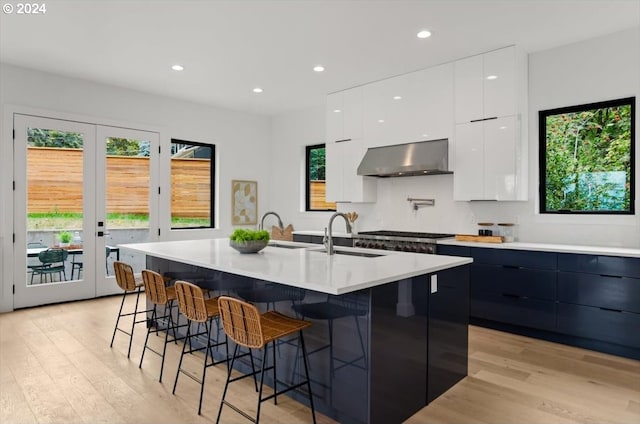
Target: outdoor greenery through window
column 587, row 158
column 315, row 185
column 192, row 184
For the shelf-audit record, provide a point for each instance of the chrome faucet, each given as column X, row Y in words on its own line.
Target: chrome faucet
column 261, row 227
column 328, row 235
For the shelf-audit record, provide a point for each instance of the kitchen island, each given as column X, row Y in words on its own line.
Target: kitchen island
column 389, row 329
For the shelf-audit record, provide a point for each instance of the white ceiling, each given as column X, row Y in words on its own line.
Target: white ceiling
column 230, row 47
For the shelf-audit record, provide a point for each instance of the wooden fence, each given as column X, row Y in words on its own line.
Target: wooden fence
column 318, row 189
column 55, row 179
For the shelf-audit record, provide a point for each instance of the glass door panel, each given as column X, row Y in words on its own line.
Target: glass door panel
column 50, row 209
column 125, row 197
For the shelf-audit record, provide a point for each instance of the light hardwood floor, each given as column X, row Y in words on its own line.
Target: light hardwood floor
column 56, row 366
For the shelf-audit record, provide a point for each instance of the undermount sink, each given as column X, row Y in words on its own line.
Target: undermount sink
column 352, row 253
column 284, row 246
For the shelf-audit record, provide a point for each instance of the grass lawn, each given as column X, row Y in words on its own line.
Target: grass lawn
column 66, row 221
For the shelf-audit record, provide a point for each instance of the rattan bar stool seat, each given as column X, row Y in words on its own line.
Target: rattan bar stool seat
column 127, row 281
column 247, row 327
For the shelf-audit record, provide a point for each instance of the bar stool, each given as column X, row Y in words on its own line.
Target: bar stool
column 160, row 295
column 247, row 327
column 128, row 283
column 196, row 308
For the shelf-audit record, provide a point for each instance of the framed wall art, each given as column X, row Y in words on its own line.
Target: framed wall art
column 244, row 202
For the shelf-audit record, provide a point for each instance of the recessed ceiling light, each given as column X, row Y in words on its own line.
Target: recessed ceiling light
column 425, row 135
column 492, row 77
column 424, row 34
column 257, row 90
column 177, row 67
column 503, row 128
column 381, row 121
column 318, row 68
column 397, row 97
column 337, row 110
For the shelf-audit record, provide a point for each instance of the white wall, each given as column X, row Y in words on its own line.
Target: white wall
column 291, row 133
column 594, row 70
column 242, row 140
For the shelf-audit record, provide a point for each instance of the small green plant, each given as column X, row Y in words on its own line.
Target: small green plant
column 244, row 234
column 65, row 237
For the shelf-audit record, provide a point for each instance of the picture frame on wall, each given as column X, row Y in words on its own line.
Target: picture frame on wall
column 244, row 202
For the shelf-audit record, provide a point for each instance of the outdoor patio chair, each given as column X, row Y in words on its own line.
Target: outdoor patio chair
column 76, row 264
column 52, row 262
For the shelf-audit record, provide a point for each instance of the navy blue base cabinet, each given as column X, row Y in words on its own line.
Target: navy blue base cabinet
column 590, row 301
column 370, row 360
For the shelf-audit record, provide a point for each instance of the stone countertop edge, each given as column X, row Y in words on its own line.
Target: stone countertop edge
column 549, row 247
column 306, row 268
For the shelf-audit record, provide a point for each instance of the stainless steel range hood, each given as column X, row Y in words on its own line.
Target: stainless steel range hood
column 401, row 160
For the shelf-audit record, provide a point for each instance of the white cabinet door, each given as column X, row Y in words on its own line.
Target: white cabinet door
column 433, row 116
column 468, row 89
column 500, row 158
column 343, row 184
column 468, row 177
column 334, row 164
column 375, row 113
column 352, row 113
column 334, row 115
column 499, row 81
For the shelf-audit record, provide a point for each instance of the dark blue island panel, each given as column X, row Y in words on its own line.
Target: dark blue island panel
column 376, row 355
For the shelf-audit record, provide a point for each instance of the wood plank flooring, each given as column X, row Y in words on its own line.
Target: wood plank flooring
column 56, row 367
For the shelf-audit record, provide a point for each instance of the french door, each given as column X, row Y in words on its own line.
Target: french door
column 87, row 183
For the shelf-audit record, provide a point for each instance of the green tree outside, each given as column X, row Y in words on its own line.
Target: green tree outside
column 588, row 160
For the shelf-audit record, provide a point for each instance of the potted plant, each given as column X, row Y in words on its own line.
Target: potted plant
column 65, row 238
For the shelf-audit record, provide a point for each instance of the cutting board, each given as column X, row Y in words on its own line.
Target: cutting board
column 479, row 239
column 284, row 234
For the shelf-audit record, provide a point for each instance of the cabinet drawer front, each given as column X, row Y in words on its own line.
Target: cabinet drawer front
column 536, row 283
column 596, row 290
column 594, row 323
column 523, row 258
column 599, row 264
column 453, row 250
column 532, row 313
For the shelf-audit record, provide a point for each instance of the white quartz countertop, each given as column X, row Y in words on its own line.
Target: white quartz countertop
column 306, row 267
column 549, row 247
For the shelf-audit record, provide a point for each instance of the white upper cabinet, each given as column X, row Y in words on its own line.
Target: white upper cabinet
column 490, row 145
column 413, row 107
column 345, row 149
column 343, row 184
column 468, row 89
column 486, row 85
column 344, row 115
column 487, row 160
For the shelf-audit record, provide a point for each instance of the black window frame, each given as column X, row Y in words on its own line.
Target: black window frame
column 542, row 148
column 211, row 182
column 307, row 187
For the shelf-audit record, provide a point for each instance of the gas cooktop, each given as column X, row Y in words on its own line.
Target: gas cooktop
column 404, row 234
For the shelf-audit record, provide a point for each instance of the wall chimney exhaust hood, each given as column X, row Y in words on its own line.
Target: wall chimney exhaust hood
column 402, row 160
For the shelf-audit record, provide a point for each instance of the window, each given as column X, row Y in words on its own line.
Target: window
column 587, row 162
column 315, row 180
column 192, row 184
